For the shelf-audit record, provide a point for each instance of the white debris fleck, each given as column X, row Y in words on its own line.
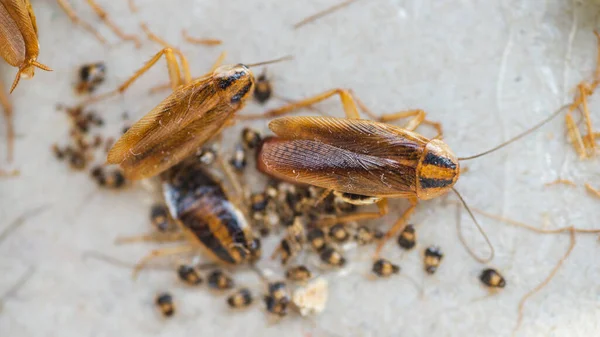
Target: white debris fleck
column 311, row 298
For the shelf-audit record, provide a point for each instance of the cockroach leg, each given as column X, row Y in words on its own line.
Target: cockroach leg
column 8, row 117
column 9, row 174
column 418, row 118
column 206, row 42
column 215, row 65
column 348, row 103
column 76, row 20
column 584, row 91
column 159, row 253
column 382, row 205
column 152, row 237
column 187, row 77
column 132, row 7
column 323, row 196
column 397, row 227
column 575, row 136
column 561, row 181
column 237, row 185
column 311, row 108
column 219, row 61
column 107, row 21
column 592, row 190
column 417, row 114
column 174, row 74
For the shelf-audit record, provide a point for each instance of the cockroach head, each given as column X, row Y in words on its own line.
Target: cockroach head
column 235, row 81
column 437, row 170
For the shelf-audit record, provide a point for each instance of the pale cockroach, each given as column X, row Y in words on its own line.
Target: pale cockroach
column 20, row 49
column 197, row 110
column 362, row 157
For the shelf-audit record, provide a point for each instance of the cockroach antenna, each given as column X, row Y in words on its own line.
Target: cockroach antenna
column 519, row 136
column 281, row 59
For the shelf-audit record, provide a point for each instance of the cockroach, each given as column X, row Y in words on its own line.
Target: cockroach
column 189, row 274
column 408, row 237
column 207, row 155
column 278, row 291
column 240, row 299
column 113, row 179
column 278, row 308
column 263, row 90
column 433, row 258
column 277, row 299
column 292, row 242
column 196, row 110
column 492, row 278
column 285, row 250
column 219, row 280
column 365, row 235
column 339, row 233
column 251, row 138
column 373, row 159
column 332, row 257
column 316, row 238
column 259, row 201
column 209, row 222
column 159, row 216
column 164, row 302
column 20, row 49
column 384, row 268
column 90, row 76
column 298, row 273
column 19, row 38
column 238, row 160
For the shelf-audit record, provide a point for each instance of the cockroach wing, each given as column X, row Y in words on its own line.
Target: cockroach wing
column 316, row 163
column 22, row 15
column 355, row 135
column 12, row 45
column 172, row 131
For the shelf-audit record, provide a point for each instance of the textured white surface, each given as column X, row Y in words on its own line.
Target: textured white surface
column 485, row 69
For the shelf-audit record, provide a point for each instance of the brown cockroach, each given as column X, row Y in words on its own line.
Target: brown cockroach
column 372, row 159
column 196, row 110
column 19, row 38
column 20, row 49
